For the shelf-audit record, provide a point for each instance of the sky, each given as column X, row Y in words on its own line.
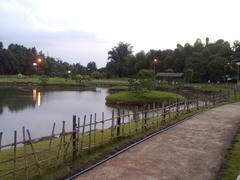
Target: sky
column 85, row 30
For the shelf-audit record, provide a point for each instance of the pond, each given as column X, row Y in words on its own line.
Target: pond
column 38, row 109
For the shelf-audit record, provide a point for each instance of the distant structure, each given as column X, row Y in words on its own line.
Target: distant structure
column 169, row 76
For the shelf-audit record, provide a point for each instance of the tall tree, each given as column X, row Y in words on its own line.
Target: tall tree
column 91, row 67
column 117, row 57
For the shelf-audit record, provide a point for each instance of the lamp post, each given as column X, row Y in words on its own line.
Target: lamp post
column 154, row 66
column 36, row 64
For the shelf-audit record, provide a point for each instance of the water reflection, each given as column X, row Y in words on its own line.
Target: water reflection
column 15, row 99
column 37, row 96
column 37, row 109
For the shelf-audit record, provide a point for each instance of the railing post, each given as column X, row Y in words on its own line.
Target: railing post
column 1, row 140
column 118, row 122
column 177, row 108
column 112, row 125
column 187, row 101
column 90, row 134
column 145, row 117
column 197, row 103
column 164, row 111
column 74, row 133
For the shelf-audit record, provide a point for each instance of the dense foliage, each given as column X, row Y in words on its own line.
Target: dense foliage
column 200, row 62
column 19, row 59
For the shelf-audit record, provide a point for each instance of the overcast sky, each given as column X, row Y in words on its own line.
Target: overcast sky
column 85, row 30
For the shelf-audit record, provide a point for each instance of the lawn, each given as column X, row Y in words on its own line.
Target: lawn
column 62, row 81
column 131, row 98
column 233, row 158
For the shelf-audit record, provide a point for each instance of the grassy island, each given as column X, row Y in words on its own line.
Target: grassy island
column 131, row 98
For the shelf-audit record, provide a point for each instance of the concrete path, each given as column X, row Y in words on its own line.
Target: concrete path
column 193, row 150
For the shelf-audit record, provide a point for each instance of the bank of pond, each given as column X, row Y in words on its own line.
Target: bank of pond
column 140, row 98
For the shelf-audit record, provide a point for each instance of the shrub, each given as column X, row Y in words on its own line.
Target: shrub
column 134, row 85
column 96, row 75
column 147, row 84
column 43, row 79
column 146, row 74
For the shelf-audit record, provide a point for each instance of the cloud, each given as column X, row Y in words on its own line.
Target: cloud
column 80, row 29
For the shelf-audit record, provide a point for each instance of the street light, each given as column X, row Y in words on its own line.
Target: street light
column 154, row 65
column 37, row 63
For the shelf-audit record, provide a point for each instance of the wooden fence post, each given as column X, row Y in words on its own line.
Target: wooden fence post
column 136, row 118
column 177, row 108
column 102, row 132
column 145, row 117
column 157, row 114
column 83, row 131
column 164, row 111
column 34, row 153
column 153, row 113
column 64, row 142
column 112, row 125
column 50, row 142
column 14, row 154
column 1, row 133
column 187, row 105
column 118, row 122
column 25, row 153
column 78, row 133
column 60, row 143
column 74, row 137
column 95, row 128
column 90, row 134
column 129, row 123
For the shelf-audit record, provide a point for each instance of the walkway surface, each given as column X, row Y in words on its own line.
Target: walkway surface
column 192, row 150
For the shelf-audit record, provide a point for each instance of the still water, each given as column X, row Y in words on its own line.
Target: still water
column 38, row 109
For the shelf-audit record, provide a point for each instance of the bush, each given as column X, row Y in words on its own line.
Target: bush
column 147, row 84
column 96, row 75
column 43, row 79
column 146, row 74
column 134, row 85
column 78, row 78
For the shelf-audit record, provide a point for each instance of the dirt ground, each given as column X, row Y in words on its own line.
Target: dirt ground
column 192, row 150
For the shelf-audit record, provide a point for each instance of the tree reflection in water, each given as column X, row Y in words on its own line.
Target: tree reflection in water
column 17, row 99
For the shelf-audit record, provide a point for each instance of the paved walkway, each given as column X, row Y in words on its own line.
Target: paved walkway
column 192, row 150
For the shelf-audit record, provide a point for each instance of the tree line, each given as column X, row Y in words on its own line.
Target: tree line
column 206, row 60
column 17, row 59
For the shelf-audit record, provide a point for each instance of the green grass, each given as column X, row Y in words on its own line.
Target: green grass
column 62, row 81
column 57, row 168
column 233, row 161
column 145, row 97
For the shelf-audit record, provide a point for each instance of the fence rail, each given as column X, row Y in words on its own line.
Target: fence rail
column 29, row 157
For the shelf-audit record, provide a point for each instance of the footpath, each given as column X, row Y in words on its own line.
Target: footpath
column 192, row 150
